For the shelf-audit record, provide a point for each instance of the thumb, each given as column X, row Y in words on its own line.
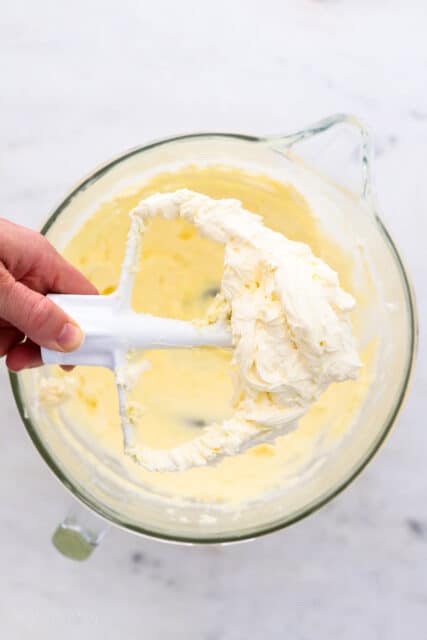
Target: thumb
column 38, row 318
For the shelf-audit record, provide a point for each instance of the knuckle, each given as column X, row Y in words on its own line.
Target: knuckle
column 5, row 277
column 6, row 289
column 39, row 313
column 39, row 244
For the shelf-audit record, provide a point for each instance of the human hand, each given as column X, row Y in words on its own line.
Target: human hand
column 30, row 268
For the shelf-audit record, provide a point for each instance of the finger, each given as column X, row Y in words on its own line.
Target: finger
column 8, row 338
column 24, row 356
column 27, row 356
column 66, row 278
column 57, row 275
column 38, row 318
column 30, row 258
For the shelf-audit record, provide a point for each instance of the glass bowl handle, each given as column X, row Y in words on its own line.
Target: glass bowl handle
column 79, row 534
column 342, row 156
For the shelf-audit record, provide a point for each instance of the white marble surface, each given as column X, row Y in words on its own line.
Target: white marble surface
column 82, row 81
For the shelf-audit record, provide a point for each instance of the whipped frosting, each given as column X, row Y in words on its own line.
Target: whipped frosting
column 52, row 392
column 289, row 321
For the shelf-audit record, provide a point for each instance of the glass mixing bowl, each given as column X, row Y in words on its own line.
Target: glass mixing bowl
column 334, row 158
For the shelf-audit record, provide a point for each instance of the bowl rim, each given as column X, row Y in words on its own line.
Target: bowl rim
column 111, row 517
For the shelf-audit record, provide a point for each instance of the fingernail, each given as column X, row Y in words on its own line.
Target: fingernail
column 70, row 337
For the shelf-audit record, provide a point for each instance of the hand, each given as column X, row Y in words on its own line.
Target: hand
column 29, row 269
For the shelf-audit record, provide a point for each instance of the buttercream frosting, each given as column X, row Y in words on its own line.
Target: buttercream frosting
column 290, row 325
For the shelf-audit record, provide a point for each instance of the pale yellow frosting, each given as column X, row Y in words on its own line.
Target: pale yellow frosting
column 288, row 318
column 182, row 390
